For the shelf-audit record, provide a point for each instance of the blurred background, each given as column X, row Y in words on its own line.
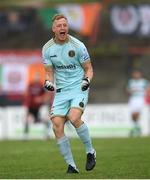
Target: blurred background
column 117, row 35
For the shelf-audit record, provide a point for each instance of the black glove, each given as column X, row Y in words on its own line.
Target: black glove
column 85, row 84
column 49, row 85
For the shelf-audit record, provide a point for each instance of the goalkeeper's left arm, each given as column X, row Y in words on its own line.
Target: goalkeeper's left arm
column 88, row 75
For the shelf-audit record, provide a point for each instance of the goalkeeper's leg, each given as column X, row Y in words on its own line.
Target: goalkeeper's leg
column 83, row 133
column 63, row 143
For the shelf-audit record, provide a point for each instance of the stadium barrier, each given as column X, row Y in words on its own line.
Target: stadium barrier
column 110, row 120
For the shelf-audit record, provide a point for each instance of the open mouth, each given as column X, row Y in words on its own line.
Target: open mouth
column 62, row 33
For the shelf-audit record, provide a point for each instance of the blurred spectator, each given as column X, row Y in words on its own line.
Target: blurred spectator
column 136, row 89
column 17, row 20
column 13, row 20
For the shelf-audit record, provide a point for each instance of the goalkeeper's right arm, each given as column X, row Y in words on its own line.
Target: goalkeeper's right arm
column 49, row 77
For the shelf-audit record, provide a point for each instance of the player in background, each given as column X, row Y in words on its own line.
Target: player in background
column 136, row 89
column 68, row 72
column 34, row 99
column 44, row 113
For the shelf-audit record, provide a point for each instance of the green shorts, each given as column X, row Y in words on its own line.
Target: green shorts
column 65, row 100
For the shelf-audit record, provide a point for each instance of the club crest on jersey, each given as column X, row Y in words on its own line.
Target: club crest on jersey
column 81, row 104
column 71, row 53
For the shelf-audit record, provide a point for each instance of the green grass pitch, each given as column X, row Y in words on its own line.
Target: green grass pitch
column 116, row 158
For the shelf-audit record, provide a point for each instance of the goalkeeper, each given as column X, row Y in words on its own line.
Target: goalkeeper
column 68, row 72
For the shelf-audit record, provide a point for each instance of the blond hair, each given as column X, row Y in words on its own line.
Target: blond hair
column 58, row 16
